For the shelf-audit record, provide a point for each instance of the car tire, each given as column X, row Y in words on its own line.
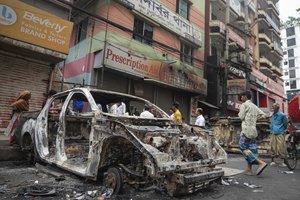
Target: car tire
column 114, row 179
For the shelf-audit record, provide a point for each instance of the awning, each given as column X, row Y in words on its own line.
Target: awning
column 208, row 104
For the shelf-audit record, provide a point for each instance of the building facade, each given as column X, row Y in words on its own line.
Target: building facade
column 291, row 59
column 254, row 53
column 152, row 49
column 34, row 36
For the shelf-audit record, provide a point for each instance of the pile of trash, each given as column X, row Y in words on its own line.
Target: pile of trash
column 45, row 190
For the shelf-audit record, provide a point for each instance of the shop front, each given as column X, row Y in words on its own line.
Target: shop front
column 32, row 41
column 159, row 81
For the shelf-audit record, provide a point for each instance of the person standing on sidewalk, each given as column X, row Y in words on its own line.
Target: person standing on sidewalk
column 249, row 114
column 277, row 141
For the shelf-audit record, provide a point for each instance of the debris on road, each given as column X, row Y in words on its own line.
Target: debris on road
column 257, row 191
column 39, row 190
column 224, row 182
column 58, row 176
column 3, row 189
column 252, row 185
column 286, row 172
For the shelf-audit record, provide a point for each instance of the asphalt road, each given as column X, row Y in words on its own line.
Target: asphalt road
column 271, row 184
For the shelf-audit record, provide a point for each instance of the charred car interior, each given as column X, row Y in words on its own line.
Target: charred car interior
column 78, row 130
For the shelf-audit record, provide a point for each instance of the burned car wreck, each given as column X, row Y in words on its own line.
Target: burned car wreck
column 126, row 149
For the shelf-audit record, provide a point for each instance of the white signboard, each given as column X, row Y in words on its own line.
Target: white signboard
column 125, row 60
column 165, row 17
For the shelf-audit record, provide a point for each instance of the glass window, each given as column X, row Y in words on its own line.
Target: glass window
column 286, row 73
column 285, row 62
column 293, row 84
column 82, row 30
column 291, row 42
column 292, row 74
column 287, row 83
column 186, row 53
column 284, row 53
column 290, row 31
column 142, row 32
column 182, row 8
column 291, row 53
column 291, row 63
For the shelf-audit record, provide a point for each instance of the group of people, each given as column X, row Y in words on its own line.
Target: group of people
column 249, row 113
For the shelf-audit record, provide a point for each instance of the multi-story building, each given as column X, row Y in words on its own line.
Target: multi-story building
column 152, row 49
column 261, row 72
column 291, row 59
column 34, row 36
column 270, row 55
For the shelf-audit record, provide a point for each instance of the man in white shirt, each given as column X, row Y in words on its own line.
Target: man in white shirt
column 121, row 109
column 146, row 113
column 200, row 121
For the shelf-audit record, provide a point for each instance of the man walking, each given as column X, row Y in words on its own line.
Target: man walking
column 249, row 114
column 278, row 127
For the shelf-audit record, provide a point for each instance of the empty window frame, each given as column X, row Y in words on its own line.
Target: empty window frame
column 293, row 84
column 142, row 32
column 186, row 53
column 81, row 32
column 182, row 8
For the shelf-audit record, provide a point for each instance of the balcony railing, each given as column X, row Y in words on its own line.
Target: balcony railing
column 271, row 4
column 269, row 20
column 277, row 47
column 264, row 37
column 265, row 62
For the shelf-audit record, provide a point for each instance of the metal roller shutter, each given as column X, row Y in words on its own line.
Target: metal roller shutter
column 16, row 75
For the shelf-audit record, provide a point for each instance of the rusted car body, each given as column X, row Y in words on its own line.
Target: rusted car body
column 144, row 152
column 228, row 131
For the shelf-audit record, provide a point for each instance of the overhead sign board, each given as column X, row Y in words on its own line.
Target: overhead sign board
column 159, row 13
column 26, row 23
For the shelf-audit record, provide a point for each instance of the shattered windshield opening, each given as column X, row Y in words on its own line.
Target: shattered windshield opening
column 120, row 105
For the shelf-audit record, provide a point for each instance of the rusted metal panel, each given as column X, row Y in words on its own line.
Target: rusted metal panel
column 228, row 131
column 147, row 151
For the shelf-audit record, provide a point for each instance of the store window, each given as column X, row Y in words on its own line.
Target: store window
column 293, row 84
column 186, row 53
column 182, row 8
column 142, row 32
column 81, row 32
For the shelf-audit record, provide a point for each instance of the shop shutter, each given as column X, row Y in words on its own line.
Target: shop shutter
column 16, row 75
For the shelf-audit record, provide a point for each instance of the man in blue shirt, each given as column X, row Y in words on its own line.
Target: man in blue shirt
column 277, row 140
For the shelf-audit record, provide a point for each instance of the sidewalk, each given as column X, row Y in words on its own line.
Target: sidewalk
column 9, row 153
